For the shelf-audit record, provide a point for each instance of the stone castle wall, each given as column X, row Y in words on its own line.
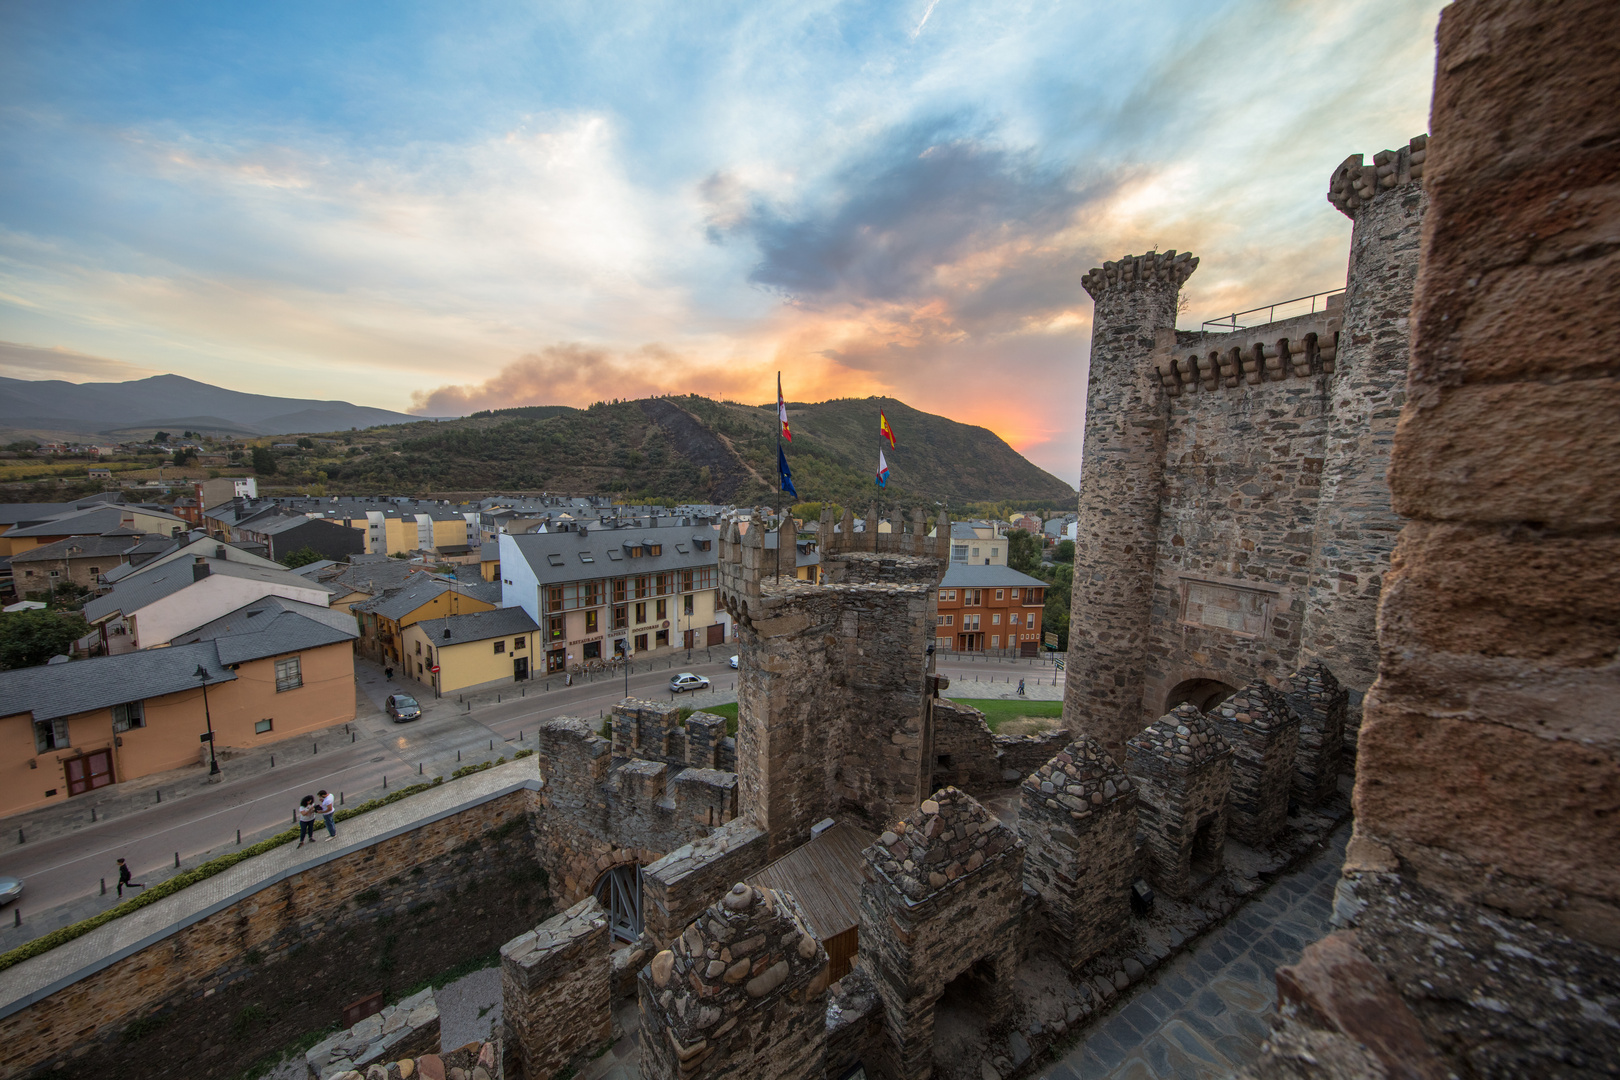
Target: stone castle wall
column 252, row 938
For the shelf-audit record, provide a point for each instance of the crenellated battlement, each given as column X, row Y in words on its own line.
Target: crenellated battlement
column 1354, row 183
column 1168, row 267
column 1294, row 348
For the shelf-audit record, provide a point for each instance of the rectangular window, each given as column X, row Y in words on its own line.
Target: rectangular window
column 289, row 674
column 666, row 584
column 593, row 594
column 590, row 622
column 55, row 573
column 619, row 589
column 686, row 582
column 418, row 648
column 995, row 620
column 994, row 552
column 1013, row 619
column 1015, row 594
column 943, row 620
column 555, row 628
column 995, row 641
column 999, row 594
column 643, row 586
column 500, row 646
column 635, row 551
column 959, row 552
column 641, row 643
column 94, row 570
column 947, row 594
column 686, row 604
column 970, row 597
column 663, row 610
column 975, row 553
column 51, row 735
column 554, row 599
column 703, row 578
column 262, row 727
column 641, row 613
column 655, row 549
column 519, row 644
column 128, row 716
column 621, row 617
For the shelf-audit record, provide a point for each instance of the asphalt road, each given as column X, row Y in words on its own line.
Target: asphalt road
column 68, row 869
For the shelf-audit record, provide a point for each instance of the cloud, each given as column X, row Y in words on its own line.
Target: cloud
column 19, row 361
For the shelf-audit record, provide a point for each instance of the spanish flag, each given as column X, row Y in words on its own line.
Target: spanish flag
column 884, row 429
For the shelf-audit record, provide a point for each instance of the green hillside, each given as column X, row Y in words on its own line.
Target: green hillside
column 692, row 448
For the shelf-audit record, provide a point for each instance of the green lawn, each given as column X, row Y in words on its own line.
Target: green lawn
column 997, row 711
column 727, row 711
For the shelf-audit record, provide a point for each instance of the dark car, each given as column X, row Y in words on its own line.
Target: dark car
column 402, row 707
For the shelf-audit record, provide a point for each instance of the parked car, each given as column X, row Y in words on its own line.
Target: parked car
column 687, row 681
column 733, row 663
column 10, row 889
column 403, row 707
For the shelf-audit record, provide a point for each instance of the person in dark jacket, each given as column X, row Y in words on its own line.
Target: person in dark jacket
column 124, row 878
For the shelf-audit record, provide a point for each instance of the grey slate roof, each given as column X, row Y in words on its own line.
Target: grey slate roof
column 272, row 626
column 478, row 626
column 375, row 576
column 152, row 585
column 53, row 690
column 83, row 523
column 968, row 576
column 398, row 603
column 558, row 557
column 87, row 547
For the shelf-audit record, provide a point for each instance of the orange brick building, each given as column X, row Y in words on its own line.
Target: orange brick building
column 989, row 609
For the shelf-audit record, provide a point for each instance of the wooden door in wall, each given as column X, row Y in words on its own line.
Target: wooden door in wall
column 717, row 634
column 89, row 771
column 691, row 639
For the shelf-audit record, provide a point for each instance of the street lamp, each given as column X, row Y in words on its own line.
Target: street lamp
column 213, row 762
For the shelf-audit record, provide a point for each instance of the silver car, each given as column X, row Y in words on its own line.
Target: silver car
column 10, row 889
column 687, row 681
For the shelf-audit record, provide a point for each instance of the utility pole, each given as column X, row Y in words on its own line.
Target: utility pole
column 213, row 761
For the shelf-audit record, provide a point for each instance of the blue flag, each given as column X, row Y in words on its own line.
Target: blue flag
column 787, row 474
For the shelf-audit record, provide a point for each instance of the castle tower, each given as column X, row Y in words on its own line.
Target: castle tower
column 1355, row 523
column 1120, row 491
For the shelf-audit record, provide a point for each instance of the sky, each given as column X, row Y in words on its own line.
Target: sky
column 440, row 208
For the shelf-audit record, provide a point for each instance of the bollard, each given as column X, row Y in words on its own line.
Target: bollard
column 18, row 912
column 160, row 790
column 458, row 755
column 177, row 860
column 340, row 798
column 418, row 768
column 103, row 886
column 492, row 744
column 272, row 761
column 92, row 813
column 314, row 748
column 385, row 781
column 523, row 692
column 239, row 837
column 353, row 736
column 497, row 699
column 21, row 839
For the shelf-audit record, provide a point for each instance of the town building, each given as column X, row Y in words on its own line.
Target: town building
column 79, row 560
column 288, row 532
column 471, row 652
column 989, row 609
column 274, row 668
column 981, row 543
column 383, row 619
column 92, row 519
column 604, row 591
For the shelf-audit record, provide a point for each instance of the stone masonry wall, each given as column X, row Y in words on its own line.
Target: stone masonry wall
column 1182, row 771
column 556, row 1002
column 677, row 887
column 250, row 941
column 1482, row 877
column 1263, row 733
column 1121, row 486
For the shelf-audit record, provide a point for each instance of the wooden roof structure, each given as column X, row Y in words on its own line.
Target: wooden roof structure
column 824, row 875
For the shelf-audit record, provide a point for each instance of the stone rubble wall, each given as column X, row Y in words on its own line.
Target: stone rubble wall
column 944, row 893
column 677, row 887
column 474, row 1061
column 741, row 992
column 1263, row 732
column 1482, row 880
column 1321, row 704
column 402, row 1030
column 1077, row 818
column 249, row 937
column 1182, row 770
column 556, row 993
column 981, row 761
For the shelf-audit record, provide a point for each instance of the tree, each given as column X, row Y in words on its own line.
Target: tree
column 306, row 443
column 28, row 638
column 162, row 436
column 1055, row 615
column 184, row 454
column 264, row 462
column 1023, row 551
column 302, row 557
column 1064, row 552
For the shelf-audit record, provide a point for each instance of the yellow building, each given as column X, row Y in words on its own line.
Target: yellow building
column 471, row 652
column 384, row 619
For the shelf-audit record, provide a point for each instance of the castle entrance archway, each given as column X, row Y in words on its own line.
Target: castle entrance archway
column 618, row 890
column 1201, row 694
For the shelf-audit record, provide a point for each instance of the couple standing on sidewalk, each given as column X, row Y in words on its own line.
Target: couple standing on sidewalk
column 321, row 803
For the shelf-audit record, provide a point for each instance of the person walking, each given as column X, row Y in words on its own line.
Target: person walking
column 306, row 820
column 124, row 878
column 328, row 811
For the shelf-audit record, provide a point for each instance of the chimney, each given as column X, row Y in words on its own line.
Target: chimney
column 447, row 633
column 219, row 552
column 199, row 569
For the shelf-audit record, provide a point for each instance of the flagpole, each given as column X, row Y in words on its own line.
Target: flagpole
column 779, row 483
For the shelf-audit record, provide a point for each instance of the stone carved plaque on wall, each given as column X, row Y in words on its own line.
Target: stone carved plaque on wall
column 1213, row 606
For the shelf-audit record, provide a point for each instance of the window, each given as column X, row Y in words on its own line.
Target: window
column 995, row 641
column 703, row 578
column 686, row 582
column 593, row 650
column 959, row 552
column 994, row 552
column 619, row 589
column 663, row 610
column 554, row 627
column 55, row 574
column 943, row 620
column 999, row 594
column 686, row 604
column 418, row 648
column 28, row 573
column 641, row 613
column 262, row 727
column 995, row 620
column 500, row 646
column 971, row 597
column 519, row 644
column 94, row 570
column 666, row 584
column 635, row 551
column 289, row 674
column 1015, row 594
column 947, row 594
column 51, row 735
column 128, row 716
column 641, row 643
column 655, row 549
column 621, row 617
column 643, row 586
column 554, row 599
column 970, row 622
column 590, row 622
column 1013, row 619
column 430, row 655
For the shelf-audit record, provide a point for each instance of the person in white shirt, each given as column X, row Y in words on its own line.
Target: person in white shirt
column 306, row 820
column 328, row 811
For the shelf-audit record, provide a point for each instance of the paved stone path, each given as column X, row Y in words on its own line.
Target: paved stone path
column 1210, row 1009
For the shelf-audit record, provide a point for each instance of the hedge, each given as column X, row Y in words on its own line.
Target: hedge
column 180, row 881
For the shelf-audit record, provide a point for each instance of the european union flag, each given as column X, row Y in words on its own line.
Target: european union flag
column 787, row 474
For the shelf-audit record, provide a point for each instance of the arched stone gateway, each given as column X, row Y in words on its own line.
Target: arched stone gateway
column 618, row 890
column 1201, row 694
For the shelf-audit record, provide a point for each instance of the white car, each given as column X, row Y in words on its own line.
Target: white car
column 733, row 663
column 687, row 681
